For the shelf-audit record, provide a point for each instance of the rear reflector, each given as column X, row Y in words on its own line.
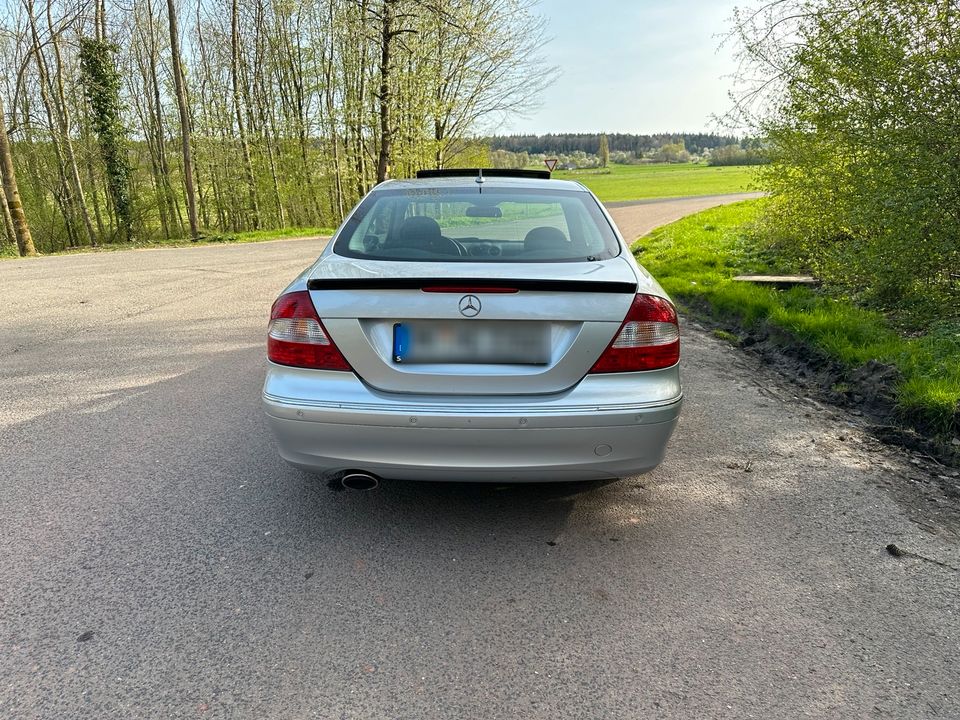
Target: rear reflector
column 296, row 337
column 648, row 339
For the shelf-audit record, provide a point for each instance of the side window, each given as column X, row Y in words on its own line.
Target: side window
column 373, row 228
column 585, row 233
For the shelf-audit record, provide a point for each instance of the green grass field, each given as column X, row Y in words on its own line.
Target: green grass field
column 697, row 257
column 638, row 182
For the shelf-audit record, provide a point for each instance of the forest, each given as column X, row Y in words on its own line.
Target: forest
column 562, row 143
column 175, row 118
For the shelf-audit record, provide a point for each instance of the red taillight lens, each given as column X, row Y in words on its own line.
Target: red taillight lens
column 297, row 337
column 649, row 338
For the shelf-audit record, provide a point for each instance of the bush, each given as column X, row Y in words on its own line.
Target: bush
column 736, row 155
column 865, row 147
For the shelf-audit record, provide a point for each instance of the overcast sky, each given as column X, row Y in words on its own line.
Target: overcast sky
column 638, row 66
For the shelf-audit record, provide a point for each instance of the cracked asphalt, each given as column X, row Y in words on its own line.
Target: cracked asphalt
column 158, row 560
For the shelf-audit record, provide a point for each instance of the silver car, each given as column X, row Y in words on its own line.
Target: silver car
column 474, row 326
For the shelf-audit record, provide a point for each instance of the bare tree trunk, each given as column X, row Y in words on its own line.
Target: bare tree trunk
column 169, row 198
column 91, row 179
column 65, row 196
column 201, row 198
column 387, row 34
column 100, row 20
column 11, row 192
column 361, row 102
column 331, row 118
column 179, row 85
column 205, row 119
column 9, row 232
column 66, row 131
column 244, row 144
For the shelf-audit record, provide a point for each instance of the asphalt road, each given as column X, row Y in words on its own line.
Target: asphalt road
column 158, row 560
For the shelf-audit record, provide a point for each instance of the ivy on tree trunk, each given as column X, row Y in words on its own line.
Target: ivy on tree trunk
column 101, row 86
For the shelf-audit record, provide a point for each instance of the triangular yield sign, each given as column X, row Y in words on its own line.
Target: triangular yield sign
column 551, row 164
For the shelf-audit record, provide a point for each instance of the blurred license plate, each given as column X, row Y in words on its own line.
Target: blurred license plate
column 473, row 341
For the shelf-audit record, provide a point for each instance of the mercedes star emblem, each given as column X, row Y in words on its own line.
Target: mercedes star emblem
column 469, row 306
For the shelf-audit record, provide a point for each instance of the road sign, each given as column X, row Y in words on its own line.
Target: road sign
column 551, row 163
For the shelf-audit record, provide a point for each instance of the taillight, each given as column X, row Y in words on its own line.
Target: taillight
column 297, row 337
column 648, row 339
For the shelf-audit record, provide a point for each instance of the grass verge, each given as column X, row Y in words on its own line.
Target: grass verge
column 638, row 182
column 210, row 238
column 695, row 259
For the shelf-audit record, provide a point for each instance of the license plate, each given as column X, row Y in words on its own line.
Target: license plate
column 485, row 342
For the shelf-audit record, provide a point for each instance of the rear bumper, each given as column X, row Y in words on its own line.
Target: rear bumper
column 506, row 439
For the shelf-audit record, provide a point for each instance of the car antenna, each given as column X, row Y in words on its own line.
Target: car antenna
column 480, row 176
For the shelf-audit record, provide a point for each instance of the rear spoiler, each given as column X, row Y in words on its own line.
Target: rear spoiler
column 484, row 172
column 474, row 284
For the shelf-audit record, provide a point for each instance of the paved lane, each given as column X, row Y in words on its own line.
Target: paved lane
column 157, row 560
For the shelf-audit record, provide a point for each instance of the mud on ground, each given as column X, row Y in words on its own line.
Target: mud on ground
column 864, row 398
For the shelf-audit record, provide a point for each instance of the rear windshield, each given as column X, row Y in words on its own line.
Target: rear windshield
column 478, row 225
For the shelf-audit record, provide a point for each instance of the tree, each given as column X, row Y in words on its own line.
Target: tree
column 284, row 113
column 736, row 155
column 181, row 92
column 387, row 15
column 101, row 85
column 604, row 151
column 238, row 102
column 482, row 63
column 674, row 152
column 11, row 191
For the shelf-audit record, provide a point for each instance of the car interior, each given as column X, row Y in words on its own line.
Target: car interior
column 397, row 228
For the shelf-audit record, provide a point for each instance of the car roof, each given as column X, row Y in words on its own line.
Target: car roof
column 488, row 182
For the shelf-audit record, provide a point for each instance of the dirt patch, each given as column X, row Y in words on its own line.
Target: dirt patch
column 919, row 476
column 868, row 392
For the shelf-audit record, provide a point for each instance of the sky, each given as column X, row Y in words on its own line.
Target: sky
column 638, row 66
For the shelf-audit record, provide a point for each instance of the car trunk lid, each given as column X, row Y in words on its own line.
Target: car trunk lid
column 471, row 328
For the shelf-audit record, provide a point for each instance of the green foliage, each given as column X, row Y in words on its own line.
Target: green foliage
column 672, row 153
column 604, row 151
column 101, row 85
column 865, row 149
column 636, row 182
column 737, row 155
column 696, row 259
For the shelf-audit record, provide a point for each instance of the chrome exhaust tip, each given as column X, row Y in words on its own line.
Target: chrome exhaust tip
column 359, row 480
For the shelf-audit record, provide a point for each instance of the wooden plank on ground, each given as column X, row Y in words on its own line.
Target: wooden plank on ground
column 781, row 282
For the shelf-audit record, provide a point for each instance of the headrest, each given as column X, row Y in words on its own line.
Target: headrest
column 416, row 232
column 545, row 238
